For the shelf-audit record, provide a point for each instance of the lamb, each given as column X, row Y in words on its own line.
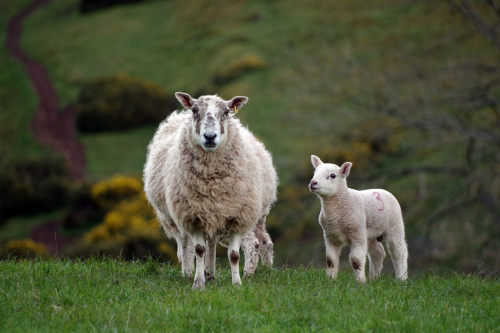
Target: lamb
column 359, row 218
column 209, row 179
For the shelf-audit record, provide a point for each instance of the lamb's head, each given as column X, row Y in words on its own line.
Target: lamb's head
column 329, row 179
column 211, row 115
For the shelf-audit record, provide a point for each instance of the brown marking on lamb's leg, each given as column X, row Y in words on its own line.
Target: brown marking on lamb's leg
column 357, row 256
column 332, row 258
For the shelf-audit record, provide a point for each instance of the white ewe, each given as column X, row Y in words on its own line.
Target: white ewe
column 209, row 179
column 359, row 218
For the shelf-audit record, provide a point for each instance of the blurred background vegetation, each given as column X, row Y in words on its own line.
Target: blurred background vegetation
column 408, row 91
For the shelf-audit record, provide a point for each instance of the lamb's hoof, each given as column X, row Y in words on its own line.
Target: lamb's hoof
column 237, row 283
column 198, row 284
column 331, row 276
column 361, row 280
column 247, row 274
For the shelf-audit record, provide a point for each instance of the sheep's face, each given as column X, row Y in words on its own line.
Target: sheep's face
column 210, row 118
column 329, row 179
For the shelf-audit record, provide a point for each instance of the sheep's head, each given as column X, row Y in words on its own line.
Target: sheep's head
column 210, row 117
column 328, row 178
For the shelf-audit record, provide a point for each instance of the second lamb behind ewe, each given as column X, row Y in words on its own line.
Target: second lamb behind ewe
column 359, row 218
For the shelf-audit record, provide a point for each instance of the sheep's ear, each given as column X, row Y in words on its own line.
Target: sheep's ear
column 185, row 99
column 236, row 103
column 315, row 160
column 345, row 169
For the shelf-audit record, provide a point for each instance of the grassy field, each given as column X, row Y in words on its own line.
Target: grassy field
column 110, row 295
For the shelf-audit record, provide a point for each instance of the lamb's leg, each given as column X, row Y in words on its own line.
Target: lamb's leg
column 199, row 248
column 187, row 252
column 357, row 258
column 332, row 258
column 233, row 253
column 376, row 255
column 210, row 259
column 266, row 244
column 399, row 253
column 251, row 250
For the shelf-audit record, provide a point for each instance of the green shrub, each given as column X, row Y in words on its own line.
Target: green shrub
column 33, row 186
column 93, row 5
column 121, row 102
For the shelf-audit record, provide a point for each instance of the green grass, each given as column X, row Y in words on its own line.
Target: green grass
column 110, row 295
column 117, row 153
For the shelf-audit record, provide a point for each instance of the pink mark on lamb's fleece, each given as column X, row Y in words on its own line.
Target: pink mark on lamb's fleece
column 377, row 196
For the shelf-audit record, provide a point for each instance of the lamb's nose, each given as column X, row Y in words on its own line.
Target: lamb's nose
column 313, row 183
column 210, row 137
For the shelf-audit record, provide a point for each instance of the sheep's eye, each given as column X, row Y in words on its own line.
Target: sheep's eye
column 333, row 175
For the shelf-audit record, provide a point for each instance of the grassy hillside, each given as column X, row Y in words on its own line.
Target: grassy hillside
column 397, row 87
column 111, row 295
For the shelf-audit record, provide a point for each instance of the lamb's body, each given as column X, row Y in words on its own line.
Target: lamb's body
column 205, row 196
column 359, row 218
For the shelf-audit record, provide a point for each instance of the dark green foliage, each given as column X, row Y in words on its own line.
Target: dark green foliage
column 93, row 5
column 33, row 186
column 121, row 102
column 84, row 211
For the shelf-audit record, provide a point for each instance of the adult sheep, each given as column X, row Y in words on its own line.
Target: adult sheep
column 209, row 179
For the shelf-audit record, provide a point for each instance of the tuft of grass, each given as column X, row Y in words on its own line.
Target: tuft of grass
column 109, row 295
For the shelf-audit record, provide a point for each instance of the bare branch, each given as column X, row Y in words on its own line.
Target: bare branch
column 489, row 32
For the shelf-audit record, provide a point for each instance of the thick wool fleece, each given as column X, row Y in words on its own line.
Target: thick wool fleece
column 219, row 192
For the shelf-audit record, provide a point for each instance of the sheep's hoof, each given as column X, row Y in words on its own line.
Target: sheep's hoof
column 361, row 280
column 198, row 285
column 237, row 283
column 209, row 277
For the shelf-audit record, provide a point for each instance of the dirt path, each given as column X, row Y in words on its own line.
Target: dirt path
column 52, row 126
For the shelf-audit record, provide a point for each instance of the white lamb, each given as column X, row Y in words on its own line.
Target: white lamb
column 359, row 218
column 209, row 179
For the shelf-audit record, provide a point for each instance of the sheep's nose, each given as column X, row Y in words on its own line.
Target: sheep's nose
column 210, row 137
column 313, row 184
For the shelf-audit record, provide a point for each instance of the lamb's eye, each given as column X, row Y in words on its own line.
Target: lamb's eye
column 333, row 175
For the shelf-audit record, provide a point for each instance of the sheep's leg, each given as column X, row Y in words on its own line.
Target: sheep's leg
column 187, row 255
column 266, row 244
column 399, row 254
column 251, row 250
column 357, row 258
column 199, row 248
column 376, row 255
column 332, row 258
column 210, row 259
column 233, row 253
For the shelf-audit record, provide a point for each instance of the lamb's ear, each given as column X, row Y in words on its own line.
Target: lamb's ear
column 315, row 160
column 345, row 169
column 236, row 102
column 185, row 99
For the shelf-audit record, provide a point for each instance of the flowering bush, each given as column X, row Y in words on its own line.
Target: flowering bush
column 109, row 192
column 25, row 248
